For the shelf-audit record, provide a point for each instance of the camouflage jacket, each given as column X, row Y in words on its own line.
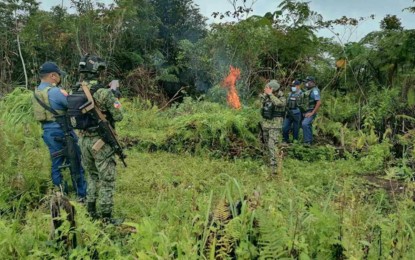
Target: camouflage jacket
column 280, row 102
column 107, row 103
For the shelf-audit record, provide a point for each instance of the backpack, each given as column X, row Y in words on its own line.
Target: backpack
column 80, row 120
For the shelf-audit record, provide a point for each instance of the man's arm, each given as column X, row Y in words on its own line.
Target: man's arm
column 106, row 100
column 278, row 100
column 317, row 106
column 59, row 97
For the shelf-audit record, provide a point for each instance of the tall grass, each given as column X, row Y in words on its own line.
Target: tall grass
column 193, row 205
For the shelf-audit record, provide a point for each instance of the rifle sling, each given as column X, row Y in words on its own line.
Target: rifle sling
column 92, row 105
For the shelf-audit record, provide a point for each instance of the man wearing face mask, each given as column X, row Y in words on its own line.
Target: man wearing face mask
column 49, row 104
column 311, row 104
column 293, row 118
column 272, row 111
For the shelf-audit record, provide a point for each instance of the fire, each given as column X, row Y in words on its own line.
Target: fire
column 230, row 83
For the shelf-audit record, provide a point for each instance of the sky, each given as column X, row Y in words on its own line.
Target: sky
column 329, row 9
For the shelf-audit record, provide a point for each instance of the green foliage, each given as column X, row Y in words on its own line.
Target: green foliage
column 310, row 154
column 23, row 176
column 197, row 127
column 375, row 157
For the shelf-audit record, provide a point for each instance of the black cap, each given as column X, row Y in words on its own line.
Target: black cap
column 310, row 78
column 49, row 67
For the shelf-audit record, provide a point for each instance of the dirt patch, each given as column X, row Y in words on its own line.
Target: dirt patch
column 392, row 187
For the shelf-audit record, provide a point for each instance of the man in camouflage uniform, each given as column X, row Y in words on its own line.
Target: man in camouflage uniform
column 272, row 111
column 97, row 156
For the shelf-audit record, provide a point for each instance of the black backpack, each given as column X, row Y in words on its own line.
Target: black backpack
column 76, row 103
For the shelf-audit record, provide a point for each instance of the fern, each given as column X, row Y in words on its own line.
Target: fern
column 273, row 237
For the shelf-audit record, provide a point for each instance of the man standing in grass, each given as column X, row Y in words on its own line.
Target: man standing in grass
column 272, row 112
column 97, row 155
column 312, row 103
column 293, row 118
column 50, row 102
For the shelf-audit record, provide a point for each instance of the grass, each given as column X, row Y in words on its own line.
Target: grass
column 193, row 205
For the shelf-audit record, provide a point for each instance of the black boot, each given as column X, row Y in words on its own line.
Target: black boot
column 92, row 210
column 107, row 219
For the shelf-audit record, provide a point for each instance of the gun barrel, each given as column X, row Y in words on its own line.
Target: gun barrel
column 85, row 105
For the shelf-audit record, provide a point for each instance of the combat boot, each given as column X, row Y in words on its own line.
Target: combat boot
column 107, row 219
column 92, row 210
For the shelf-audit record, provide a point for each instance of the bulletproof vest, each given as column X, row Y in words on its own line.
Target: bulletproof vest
column 40, row 113
column 270, row 111
column 294, row 101
column 308, row 103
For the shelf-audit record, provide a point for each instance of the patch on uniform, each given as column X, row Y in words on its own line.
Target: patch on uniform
column 117, row 104
column 64, row 92
column 315, row 92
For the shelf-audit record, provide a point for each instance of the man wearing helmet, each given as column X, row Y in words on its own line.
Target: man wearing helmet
column 312, row 103
column 272, row 111
column 98, row 156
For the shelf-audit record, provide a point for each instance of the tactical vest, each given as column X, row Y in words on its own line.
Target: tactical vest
column 294, row 100
column 270, row 111
column 308, row 103
column 42, row 114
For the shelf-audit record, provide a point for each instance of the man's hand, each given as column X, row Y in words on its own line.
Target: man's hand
column 308, row 114
column 267, row 90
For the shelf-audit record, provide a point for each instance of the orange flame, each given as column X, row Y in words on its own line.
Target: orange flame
column 230, row 83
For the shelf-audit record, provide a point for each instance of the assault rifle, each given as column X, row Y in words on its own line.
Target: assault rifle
column 69, row 151
column 72, row 159
column 104, row 126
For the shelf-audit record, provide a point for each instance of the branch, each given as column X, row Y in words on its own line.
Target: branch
column 21, row 58
column 173, row 98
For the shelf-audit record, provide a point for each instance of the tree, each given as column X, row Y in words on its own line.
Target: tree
column 179, row 20
column 13, row 17
column 391, row 22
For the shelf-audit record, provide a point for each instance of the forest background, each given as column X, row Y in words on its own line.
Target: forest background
column 185, row 143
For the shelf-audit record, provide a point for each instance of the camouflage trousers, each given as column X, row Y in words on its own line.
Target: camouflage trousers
column 271, row 138
column 100, row 167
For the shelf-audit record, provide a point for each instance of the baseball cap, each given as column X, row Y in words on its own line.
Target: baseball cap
column 49, row 67
column 296, row 83
column 310, row 78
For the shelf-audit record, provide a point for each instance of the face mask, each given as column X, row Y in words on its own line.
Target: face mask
column 306, row 84
column 293, row 89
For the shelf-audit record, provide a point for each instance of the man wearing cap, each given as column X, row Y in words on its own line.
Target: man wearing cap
column 50, row 101
column 272, row 111
column 311, row 104
column 293, row 118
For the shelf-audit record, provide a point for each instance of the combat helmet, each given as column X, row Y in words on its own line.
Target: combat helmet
column 91, row 64
column 274, row 85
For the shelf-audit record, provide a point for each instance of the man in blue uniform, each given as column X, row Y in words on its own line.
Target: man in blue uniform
column 50, row 101
column 292, row 120
column 311, row 104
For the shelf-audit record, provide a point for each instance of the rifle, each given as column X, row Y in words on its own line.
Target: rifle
column 69, row 151
column 72, row 161
column 104, row 126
